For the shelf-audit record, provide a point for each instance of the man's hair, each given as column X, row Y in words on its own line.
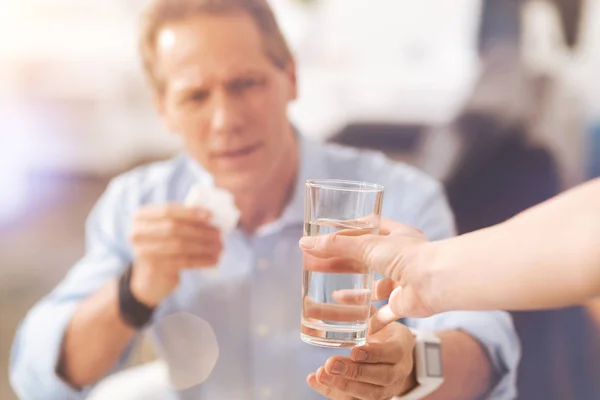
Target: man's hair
column 160, row 13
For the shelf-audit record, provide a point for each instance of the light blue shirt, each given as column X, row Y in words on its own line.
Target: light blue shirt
column 251, row 304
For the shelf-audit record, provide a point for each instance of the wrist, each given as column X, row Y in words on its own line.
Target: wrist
column 133, row 312
column 140, row 293
column 427, row 374
column 410, row 383
column 434, row 282
column 148, row 288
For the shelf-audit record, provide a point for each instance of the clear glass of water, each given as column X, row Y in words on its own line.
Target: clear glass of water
column 336, row 292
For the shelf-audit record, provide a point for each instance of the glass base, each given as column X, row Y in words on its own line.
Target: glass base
column 331, row 343
column 325, row 335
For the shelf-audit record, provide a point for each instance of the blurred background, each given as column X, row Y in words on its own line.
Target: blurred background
column 499, row 99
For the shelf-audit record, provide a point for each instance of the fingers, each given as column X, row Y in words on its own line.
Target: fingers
column 174, row 236
column 352, row 296
column 382, row 289
column 173, row 211
column 377, row 374
column 352, row 388
column 326, row 391
column 172, row 265
column 336, row 245
column 176, row 247
column 388, row 226
column 159, row 229
column 335, row 312
column 382, row 318
column 334, row 265
column 390, row 345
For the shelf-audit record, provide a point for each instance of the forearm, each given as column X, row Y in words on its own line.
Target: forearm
column 95, row 338
column 468, row 373
column 548, row 256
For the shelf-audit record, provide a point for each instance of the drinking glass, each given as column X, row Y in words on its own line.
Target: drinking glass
column 336, row 292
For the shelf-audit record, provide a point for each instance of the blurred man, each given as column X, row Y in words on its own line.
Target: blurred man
column 223, row 76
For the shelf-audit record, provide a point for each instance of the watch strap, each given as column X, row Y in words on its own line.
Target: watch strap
column 425, row 386
column 134, row 313
column 418, row 393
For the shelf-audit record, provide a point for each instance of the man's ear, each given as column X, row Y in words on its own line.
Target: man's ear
column 290, row 71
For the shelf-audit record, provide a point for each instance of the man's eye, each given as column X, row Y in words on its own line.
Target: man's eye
column 243, row 84
column 198, row 96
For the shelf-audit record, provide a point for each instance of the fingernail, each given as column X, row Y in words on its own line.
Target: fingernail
column 307, row 242
column 338, row 368
column 360, row 355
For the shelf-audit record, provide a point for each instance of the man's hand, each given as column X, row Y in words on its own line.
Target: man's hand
column 379, row 370
column 167, row 239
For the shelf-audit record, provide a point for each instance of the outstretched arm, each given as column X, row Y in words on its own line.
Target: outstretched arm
column 545, row 257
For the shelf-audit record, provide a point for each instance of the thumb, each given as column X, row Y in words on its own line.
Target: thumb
column 406, row 302
column 397, row 303
column 357, row 248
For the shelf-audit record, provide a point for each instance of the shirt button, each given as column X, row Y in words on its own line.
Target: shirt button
column 262, row 264
column 266, row 393
column 262, row 330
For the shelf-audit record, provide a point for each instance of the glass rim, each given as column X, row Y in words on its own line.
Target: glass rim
column 344, row 185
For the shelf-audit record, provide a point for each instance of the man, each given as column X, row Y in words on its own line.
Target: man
column 223, row 76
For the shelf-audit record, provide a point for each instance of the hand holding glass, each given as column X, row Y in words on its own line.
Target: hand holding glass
column 336, row 292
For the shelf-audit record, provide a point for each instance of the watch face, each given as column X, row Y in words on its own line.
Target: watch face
column 433, row 360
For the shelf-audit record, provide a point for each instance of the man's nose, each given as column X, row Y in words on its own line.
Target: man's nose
column 225, row 116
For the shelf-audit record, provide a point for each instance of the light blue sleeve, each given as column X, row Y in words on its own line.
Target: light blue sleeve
column 38, row 341
column 426, row 208
column 495, row 332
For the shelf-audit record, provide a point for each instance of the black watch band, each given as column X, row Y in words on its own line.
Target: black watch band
column 135, row 314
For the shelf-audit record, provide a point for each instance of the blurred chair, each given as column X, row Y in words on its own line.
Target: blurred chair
column 499, row 174
column 399, row 142
column 501, row 21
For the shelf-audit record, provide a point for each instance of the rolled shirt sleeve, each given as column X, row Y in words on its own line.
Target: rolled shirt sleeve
column 495, row 332
column 38, row 342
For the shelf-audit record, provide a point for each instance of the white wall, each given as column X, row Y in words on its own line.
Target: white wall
column 74, row 66
column 72, row 70
column 75, row 63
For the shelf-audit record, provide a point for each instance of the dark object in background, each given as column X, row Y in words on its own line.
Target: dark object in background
column 500, row 174
column 380, row 136
column 501, row 22
column 571, row 14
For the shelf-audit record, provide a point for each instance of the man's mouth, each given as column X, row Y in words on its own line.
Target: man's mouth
column 239, row 152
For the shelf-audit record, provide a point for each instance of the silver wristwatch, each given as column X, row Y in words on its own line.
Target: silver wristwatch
column 427, row 364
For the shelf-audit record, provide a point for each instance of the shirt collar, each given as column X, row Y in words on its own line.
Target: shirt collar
column 312, row 165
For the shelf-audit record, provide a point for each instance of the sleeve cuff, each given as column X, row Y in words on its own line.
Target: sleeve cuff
column 495, row 332
column 36, row 352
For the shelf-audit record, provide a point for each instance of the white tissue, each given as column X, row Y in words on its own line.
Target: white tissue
column 219, row 202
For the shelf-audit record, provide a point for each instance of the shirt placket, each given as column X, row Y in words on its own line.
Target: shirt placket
column 264, row 323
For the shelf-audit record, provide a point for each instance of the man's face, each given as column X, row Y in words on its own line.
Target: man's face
column 225, row 98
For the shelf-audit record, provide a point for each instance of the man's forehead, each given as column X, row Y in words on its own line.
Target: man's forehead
column 166, row 38
column 220, row 41
column 210, row 30
column 190, row 54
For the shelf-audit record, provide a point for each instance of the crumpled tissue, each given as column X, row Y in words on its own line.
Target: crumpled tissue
column 219, row 202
